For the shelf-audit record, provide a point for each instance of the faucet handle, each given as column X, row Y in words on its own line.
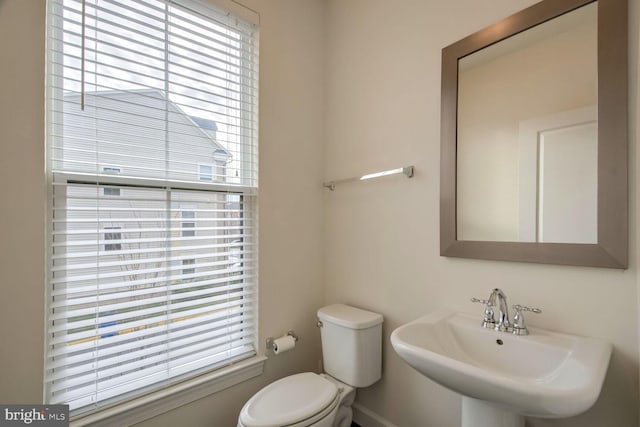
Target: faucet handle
column 519, row 327
column 519, row 307
column 488, row 321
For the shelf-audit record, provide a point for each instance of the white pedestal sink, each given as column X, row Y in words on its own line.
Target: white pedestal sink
column 479, row 413
column 504, row 377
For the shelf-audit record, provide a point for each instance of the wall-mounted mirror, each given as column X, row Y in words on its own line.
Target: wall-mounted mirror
column 534, row 137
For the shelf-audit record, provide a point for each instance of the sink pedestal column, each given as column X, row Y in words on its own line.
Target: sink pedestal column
column 478, row 413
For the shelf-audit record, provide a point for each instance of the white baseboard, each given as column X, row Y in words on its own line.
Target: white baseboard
column 367, row 418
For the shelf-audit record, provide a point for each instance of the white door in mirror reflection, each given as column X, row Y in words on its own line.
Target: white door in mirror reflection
column 558, row 178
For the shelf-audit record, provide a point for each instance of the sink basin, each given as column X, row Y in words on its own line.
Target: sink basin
column 544, row 374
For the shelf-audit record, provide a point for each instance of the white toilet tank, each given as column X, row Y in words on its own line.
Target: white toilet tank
column 351, row 344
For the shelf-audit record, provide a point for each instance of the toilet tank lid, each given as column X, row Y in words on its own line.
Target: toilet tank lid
column 349, row 317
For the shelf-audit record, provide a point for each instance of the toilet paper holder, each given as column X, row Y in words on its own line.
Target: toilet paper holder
column 290, row 333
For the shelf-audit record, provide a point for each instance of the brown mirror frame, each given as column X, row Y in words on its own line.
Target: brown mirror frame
column 611, row 250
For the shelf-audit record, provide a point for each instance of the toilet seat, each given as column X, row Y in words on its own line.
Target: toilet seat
column 294, row 401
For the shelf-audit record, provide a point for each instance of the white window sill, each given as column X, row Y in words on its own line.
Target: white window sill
column 142, row 408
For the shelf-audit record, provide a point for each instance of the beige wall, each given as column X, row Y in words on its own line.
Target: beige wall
column 382, row 238
column 347, row 86
column 291, row 150
column 22, row 219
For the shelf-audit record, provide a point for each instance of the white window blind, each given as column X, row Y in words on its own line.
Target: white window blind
column 153, row 270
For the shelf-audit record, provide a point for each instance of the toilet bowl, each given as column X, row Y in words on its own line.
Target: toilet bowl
column 301, row 400
column 352, row 356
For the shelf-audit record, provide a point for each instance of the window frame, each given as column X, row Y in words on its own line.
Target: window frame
column 142, row 407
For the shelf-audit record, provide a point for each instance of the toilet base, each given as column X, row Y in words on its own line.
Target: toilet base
column 344, row 417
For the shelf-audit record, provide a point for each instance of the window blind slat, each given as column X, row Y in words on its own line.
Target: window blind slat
column 150, row 265
column 154, row 351
column 74, row 320
column 241, row 255
column 82, row 371
column 104, row 240
column 151, row 133
column 91, row 394
column 94, row 254
column 58, row 354
column 111, row 315
column 106, row 286
column 135, row 379
column 78, row 284
column 148, row 116
column 140, row 229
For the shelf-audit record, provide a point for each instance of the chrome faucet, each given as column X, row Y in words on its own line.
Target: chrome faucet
column 502, row 323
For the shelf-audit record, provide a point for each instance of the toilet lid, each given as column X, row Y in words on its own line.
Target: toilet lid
column 289, row 401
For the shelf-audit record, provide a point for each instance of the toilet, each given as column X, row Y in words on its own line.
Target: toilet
column 352, row 357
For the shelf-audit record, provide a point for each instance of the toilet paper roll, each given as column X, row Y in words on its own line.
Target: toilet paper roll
column 284, row 343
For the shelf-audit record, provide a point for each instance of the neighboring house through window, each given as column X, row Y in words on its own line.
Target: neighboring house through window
column 148, row 102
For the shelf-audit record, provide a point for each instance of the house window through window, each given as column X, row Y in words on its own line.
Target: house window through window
column 111, row 234
column 206, row 172
column 187, row 262
column 111, row 169
column 188, row 227
column 111, row 191
column 140, row 293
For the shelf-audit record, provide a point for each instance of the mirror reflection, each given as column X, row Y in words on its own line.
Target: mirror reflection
column 527, row 135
